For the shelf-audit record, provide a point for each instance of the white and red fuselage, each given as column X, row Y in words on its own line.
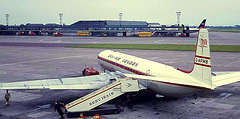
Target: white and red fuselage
column 163, row 79
column 115, row 61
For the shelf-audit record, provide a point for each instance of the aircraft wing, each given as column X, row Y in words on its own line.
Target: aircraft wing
column 224, row 78
column 187, row 83
column 86, row 82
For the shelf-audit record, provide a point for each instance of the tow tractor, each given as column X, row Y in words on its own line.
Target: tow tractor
column 31, row 33
column 21, row 33
column 58, row 34
column 89, row 72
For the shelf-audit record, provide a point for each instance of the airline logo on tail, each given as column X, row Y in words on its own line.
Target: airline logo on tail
column 203, row 42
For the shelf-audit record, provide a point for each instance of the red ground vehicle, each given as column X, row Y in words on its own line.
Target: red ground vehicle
column 182, row 35
column 89, row 72
column 58, row 34
column 21, row 33
column 32, row 34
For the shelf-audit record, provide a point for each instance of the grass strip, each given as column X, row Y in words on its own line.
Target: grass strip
column 214, row 48
column 236, row 30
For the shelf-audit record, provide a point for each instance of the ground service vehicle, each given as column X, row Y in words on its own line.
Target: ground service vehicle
column 83, row 33
column 58, row 34
column 89, row 72
column 144, row 34
column 31, row 34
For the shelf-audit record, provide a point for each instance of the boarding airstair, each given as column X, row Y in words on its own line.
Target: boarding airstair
column 103, row 95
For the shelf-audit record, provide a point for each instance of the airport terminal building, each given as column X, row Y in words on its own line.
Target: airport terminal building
column 109, row 25
column 94, row 27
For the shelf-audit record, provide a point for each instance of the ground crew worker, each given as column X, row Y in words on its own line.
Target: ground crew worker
column 7, row 97
column 129, row 101
column 57, row 106
column 81, row 116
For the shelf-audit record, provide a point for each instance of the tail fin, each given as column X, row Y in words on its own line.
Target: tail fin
column 202, row 62
column 202, row 25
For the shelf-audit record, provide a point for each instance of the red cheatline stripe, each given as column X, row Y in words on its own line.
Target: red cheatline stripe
column 202, row 64
column 185, row 71
column 184, row 85
column 159, row 81
column 202, row 57
column 93, row 96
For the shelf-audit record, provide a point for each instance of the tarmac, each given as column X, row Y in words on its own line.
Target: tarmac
column 45, row 60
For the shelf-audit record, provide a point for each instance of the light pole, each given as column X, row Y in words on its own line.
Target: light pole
column 120, row 19
column 178, row 18
column 60, row 15
column 7, row 16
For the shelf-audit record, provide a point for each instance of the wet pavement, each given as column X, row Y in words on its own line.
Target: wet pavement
column 21, row 63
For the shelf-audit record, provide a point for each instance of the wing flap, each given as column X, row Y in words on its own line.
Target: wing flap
column 224, row 78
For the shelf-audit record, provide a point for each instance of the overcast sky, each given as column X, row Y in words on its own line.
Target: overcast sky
column 217, row 12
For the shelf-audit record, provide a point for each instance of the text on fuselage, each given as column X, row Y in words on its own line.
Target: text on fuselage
column 125, row 61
